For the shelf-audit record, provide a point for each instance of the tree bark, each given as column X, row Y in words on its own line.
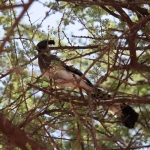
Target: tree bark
column 17, row 136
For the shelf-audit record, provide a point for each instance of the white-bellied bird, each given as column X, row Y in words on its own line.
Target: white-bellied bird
column 66, row 75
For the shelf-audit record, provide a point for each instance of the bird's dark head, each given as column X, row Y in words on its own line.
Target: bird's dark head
column 44, row 44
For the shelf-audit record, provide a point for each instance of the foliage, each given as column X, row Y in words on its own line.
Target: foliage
column 118, row 63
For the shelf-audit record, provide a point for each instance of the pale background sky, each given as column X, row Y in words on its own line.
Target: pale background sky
column 37, row 13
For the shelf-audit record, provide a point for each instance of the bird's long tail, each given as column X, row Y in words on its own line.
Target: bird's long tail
column 127, row 114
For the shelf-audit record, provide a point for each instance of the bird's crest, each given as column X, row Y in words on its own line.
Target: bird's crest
column 44, row 44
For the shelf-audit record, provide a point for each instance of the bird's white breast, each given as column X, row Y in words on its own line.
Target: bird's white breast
column 64, row 78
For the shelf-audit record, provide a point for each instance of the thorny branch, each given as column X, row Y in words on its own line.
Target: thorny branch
column 35, row 111
column 15, row 24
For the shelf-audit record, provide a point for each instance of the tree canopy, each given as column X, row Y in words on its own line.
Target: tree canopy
column 111, row 48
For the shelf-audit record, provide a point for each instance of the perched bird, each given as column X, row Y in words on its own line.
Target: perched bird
column 66, row 75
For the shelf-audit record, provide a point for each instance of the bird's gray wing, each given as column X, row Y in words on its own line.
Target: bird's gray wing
column 69, row 67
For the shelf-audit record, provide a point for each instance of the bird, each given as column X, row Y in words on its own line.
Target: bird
column 66, row 75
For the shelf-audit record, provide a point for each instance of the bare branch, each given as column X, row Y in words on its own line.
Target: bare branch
column 17, row 136
column 15, row 24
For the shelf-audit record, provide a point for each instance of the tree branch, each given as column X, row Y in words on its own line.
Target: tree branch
column 103, row 3
column 17, row 136
column 15, row 24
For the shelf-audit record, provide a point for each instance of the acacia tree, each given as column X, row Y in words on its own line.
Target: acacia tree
column 35, row 114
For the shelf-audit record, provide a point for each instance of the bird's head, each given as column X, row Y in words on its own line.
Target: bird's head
column 44, row 45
